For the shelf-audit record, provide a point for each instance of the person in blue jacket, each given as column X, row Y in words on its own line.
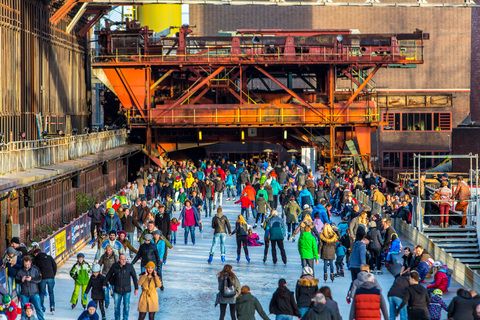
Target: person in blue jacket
column 322, row 213
column 230, row 183
column 90, row 313
column 161, row 243
column 305, row 197
column 112, row 222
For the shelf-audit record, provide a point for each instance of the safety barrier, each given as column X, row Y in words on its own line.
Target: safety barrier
column 23, row 155
column 463, row 274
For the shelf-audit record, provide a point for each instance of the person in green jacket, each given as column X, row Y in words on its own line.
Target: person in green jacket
column 308, row 248
column 246, row 305
column 262, row 192
column 80, row 272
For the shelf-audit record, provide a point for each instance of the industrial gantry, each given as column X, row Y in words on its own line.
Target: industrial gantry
column 251, row 78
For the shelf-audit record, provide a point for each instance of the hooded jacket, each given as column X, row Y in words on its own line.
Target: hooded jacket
column 322, row 213
column 358, row 255
column 368, row 303
column 305, row 289
column 417, row 299
column 357, row 283
column 46, row 264
column 87, row 316
column 441, row 281
column 220, row 224
column 307, row 246
column 319, row 311
column 112, row 223
column 305, row 197
column 246, row 305
column 292, row 210
column 283, row 302
column 146, row 253
column 276, row 228
column 97, row 284
column 462, row 306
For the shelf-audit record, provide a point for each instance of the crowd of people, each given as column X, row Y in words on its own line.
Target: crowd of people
column 278, row 204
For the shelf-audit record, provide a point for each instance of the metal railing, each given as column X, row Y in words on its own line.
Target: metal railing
column 23, row 155
column 410, row 54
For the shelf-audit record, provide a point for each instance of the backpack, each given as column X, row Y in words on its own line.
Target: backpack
column 228, row 288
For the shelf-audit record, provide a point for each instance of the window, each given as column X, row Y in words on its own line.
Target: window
column 398, row 159
column 419, row 121
column 391, row 159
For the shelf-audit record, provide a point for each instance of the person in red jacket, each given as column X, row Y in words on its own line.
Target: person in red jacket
column 10, row 308
column 251, row 194
column 368, row 302
column 245, row 203
column 440, row 278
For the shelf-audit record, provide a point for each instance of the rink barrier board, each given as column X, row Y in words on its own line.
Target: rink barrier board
column 462, row 274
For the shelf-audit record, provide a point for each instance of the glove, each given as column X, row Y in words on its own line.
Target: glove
column 348, row 300
column 84, row 296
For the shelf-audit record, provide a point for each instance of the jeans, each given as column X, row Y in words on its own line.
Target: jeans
column 107, row 295
column 174, row 237
column 231, row 191
column 216, row 237
column 131, row 236
column 339, row 264
column 101, row 306
column 207, row 204
column 95, row 226
column 303, row 311
column 44, row 285
column 283, row 317
column 291, row 226
column 190, row 229
column 35, row 300
column 327, row 263
column 260, row 216
column 10, row 285
column 394, row 303
column 310, row 263
column 244, row 213
column 117, row 298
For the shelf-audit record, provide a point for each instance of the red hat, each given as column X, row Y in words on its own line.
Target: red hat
column 121, row 232
column 177, row 177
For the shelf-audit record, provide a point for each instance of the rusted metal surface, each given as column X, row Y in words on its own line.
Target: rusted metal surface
column 42, row 72
column 24, row 155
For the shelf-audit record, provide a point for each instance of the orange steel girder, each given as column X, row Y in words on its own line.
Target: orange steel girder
column 195, row 88
column 290, row 92
column 63, row 11
column 361, row 87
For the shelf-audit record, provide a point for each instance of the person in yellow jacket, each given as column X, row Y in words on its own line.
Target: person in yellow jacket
column 177, row 185
column 148, row 301
column 189, row 182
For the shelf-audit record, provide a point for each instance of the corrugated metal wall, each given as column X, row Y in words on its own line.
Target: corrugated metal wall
column 42, row 70
column 48, row 202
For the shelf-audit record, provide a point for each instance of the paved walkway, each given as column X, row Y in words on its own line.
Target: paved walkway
column 191, row 285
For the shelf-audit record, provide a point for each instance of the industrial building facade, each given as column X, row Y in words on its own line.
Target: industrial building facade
column 418, row 105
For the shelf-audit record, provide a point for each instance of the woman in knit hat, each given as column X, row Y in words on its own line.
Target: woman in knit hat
column 148, row 301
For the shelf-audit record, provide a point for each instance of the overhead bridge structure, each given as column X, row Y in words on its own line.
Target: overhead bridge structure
column 253, row 78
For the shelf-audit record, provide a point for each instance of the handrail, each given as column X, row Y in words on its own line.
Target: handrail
column 23, row 155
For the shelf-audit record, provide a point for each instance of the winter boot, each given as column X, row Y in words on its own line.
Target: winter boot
column 332, row 276
column 210, row 258
column 248, row 259
column 325, row 277
column 238, row 258
column 223, row 258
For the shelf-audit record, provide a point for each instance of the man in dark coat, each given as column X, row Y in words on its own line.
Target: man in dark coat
column 319, row 310
column 283, row 302
column 97, row 214
column 48, row 268
column 29, row 277
column 146, row 253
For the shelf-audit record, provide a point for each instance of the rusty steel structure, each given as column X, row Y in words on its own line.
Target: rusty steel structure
column 254, row 78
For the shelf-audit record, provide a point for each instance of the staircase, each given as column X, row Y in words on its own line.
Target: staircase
column 462, row 244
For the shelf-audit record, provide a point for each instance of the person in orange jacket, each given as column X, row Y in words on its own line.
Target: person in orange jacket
column 251, row 194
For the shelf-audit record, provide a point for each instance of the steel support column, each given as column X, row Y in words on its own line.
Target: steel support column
column 63, row 11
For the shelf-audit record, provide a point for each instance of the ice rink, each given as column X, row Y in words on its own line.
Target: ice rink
column 191, row 284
